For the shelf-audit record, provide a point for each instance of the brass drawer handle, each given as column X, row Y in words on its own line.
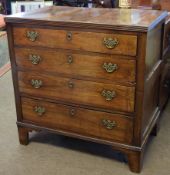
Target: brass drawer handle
column 109, row 95
column 110, row 67
column 109, row 124
column 32, row 35
column 39, row 110
column 110, row 43
column 36, row 83
column 69, row 36
column 70, row 84
column 69, row 59
column 72, row 112
column 35, row 59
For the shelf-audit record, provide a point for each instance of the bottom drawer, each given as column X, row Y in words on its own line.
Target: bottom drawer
column 102, row 125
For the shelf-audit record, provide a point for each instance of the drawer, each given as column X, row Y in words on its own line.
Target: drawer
column 85, row 122
column 109, row 67
column 103, row 95
column 77, row 40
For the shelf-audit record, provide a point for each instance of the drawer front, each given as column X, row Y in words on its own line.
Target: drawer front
column 92, row 123
column 107, row 67
column 110, row 96
column 76, row 40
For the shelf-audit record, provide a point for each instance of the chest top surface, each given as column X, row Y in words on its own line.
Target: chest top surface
column 119, row 19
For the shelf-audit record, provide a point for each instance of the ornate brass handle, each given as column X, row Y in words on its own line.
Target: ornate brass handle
column 32, row 35
column 35, row 59
column 109, row 95
column 69, row 59
column 110, row 43
column 72, row 112
column 69, row 36
column 109, row 67
column 36, row 83
column 39, row 110
column 109, row 124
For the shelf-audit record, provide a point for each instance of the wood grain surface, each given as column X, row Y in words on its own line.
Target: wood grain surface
column 78, row 120
column 78, row 65
column 84, row 41
column 85, row 92
column 120, row 19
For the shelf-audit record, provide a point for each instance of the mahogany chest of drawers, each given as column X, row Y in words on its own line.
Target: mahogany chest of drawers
column 88, row 73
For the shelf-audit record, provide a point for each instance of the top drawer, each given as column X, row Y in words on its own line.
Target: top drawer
column 77, row 40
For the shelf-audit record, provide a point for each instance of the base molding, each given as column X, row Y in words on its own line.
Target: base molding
column 75, row 135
